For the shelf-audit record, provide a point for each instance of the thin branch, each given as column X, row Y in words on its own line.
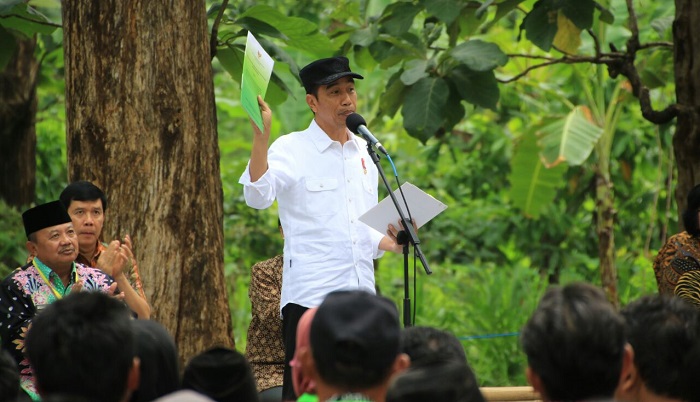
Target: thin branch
column 215, row 29
column 47, row 23
column 649, row 45
column 603, row 59
column 596, row 42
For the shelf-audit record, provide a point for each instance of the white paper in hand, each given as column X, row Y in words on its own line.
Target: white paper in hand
column 422, row 205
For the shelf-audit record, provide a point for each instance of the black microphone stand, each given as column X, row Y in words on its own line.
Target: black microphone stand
column 405, row 237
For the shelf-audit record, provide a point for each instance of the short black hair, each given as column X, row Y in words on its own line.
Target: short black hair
column 690, row 215
column 9, row 378
column 427, row 345
column 82, row 345
column 662, row 331
column 448, row 381
column 575, row 342
column 82, row 191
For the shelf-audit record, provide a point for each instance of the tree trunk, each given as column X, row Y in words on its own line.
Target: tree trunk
column 141, row 124
column 605, row 222
column 686, row 141
column 17, row 126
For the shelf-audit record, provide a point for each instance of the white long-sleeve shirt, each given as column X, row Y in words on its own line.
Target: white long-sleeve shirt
column 322, row 188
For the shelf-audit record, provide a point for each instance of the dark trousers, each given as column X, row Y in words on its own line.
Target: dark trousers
column 291, row 314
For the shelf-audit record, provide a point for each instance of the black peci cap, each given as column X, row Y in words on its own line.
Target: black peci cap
column 325, row 71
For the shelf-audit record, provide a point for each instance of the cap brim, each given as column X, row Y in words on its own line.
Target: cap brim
column 338, row 76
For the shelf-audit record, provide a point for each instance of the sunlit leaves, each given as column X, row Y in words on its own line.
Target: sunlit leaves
column 533, row 185
column 568, row 37
column 25, row 21
column 559, row 23
column 297, row 32
column 569, row 139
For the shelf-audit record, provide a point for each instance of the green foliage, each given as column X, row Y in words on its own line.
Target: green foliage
column 471, row 301
column 19, row 19
column 533, row 185
column 12, row 239
column 569, row 139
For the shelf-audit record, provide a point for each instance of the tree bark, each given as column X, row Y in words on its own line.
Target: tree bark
column 605, row 225
column 686, row 141
column 17, row 126
column 141, row 124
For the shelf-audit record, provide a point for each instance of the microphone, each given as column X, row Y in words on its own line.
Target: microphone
column 358, row 125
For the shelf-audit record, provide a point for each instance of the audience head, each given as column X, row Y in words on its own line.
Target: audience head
column 83, row 346
column 82, row 191
column 691, row 215
column 222, row 374
column 355, row 342
column 50, row 234
column 428, row 345
column 665, row 336
column 302, row 384
column 159, row 370
column 575, row 344
column 9, row 378
column 451, row 381
column 86, row 205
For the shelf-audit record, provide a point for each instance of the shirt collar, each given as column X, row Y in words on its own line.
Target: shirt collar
column 48, row 272
column 321, row 140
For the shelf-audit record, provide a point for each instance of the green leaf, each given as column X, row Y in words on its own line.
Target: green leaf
column 397, row 18
column 393, row 96
column 505, row 7
column 479, row 55
column 9, row 45
column 483, row 8
column 532, row 186
column 568, row 37
column 7, row 5
column 414, row 70
column 445, row 10
column 570, row 139
column 364, row 36
column 605, row 15
column 300, row 33
column 454, row 110
column 663, row 25
column 477, row 88
column 231, row 58
column 27, row 22
column 423, row 110
column 580, row 12
column 540, row 24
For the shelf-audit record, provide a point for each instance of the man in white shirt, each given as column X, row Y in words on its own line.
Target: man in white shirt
column 323, row 180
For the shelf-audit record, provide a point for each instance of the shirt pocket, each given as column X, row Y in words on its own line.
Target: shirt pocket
column 322, row 197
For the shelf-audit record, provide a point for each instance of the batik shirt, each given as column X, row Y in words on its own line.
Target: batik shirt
column 131, row 272
column 265, row 347
column 24, row 293
column 680, row 254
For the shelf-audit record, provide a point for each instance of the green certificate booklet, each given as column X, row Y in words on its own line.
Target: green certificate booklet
column 257, row 69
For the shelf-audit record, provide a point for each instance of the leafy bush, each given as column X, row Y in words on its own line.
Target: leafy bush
column 12, row 239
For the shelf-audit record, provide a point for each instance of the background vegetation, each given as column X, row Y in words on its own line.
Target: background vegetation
column 491, row 261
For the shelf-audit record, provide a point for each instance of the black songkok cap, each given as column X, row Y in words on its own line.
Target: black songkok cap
column 357, row 329
column 325, row 71
column 44, row 216
column 222, row 374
